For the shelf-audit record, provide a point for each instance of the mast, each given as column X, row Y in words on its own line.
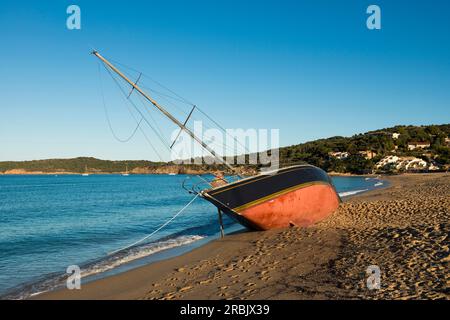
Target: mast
column 160, row 108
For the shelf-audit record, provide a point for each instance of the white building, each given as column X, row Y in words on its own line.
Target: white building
column 418, row 145
column 339, row 155
column 403, row 163
column 386, row 160
column 368, row 154
column 411, row 163
column 395, row 135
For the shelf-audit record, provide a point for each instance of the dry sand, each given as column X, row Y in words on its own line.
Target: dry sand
column 403, row 229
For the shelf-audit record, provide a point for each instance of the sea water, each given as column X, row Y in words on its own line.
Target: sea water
column 49, row 222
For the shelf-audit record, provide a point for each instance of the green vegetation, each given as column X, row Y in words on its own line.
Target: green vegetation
column 76, row 165
column 318, row 153
column 381, row 142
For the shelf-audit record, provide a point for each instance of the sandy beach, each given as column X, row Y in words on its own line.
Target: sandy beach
column 403, row 229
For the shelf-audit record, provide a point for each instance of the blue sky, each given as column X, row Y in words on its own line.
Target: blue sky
column 310, row 68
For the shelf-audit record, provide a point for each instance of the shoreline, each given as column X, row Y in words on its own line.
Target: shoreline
column 325, row 261
column 331, row 174
column 105, row 266
column 23, row 291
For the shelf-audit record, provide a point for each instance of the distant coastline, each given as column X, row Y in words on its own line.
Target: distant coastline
column 105, row 167
column 391, row 150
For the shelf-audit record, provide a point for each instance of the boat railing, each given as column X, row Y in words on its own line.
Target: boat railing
column 198, row 186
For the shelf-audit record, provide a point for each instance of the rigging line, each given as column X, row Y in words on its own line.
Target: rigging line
column 181, row 99
column 184, row 100
column 210, row 143
column 217, row 124
column 166, row 98
column 150, row 78
column 160, row 135
column 142, row 130
column 159, row 228
column 165, row 95
column 131, row 76
column 171, row 91
column 107, row 114
column 221, row 145
column 137, row 109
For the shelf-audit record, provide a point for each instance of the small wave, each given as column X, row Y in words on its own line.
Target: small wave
column 24, row 186
column 349, row 193
column 378, row 184
column 135, row 253
column 57, row 280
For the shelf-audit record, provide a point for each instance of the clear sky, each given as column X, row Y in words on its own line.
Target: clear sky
column 310, row 68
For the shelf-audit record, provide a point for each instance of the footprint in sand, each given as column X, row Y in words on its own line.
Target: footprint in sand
column 249, row 291
column 205, row 281
column 169, row 296
column 185, row 288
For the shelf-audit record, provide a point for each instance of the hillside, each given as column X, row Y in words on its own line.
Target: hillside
column 75, row 165
column 358, row 154
column 97, row 166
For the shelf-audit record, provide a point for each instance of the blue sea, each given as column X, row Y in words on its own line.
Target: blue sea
column 48, row 223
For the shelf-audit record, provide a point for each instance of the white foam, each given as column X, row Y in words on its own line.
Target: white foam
column 378, row 184
column 139, row 252
column 111, row 263
column 350, row 193
column 34, row 294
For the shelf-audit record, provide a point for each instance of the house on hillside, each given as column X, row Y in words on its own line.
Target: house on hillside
column 404, row 164
column 411, row 164
column 339, row 155
column 386, row 161
column 395, row 135
column 368, row 154
column 413, row 145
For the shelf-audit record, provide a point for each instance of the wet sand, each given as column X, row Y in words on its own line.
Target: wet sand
column 403, row 229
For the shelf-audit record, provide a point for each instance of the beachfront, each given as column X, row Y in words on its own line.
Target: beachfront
column 402, row 229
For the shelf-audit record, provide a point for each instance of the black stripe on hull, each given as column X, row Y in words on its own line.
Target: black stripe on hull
column 252, row 189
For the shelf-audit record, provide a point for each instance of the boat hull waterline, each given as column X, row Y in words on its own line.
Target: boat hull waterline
column 294, row 196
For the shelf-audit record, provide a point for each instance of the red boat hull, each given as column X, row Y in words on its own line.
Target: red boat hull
column 301, row 207
column 298, row 195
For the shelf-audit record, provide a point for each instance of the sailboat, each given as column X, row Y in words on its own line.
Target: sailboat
column 85, row 174
column 298, row 195
column 126, row 174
